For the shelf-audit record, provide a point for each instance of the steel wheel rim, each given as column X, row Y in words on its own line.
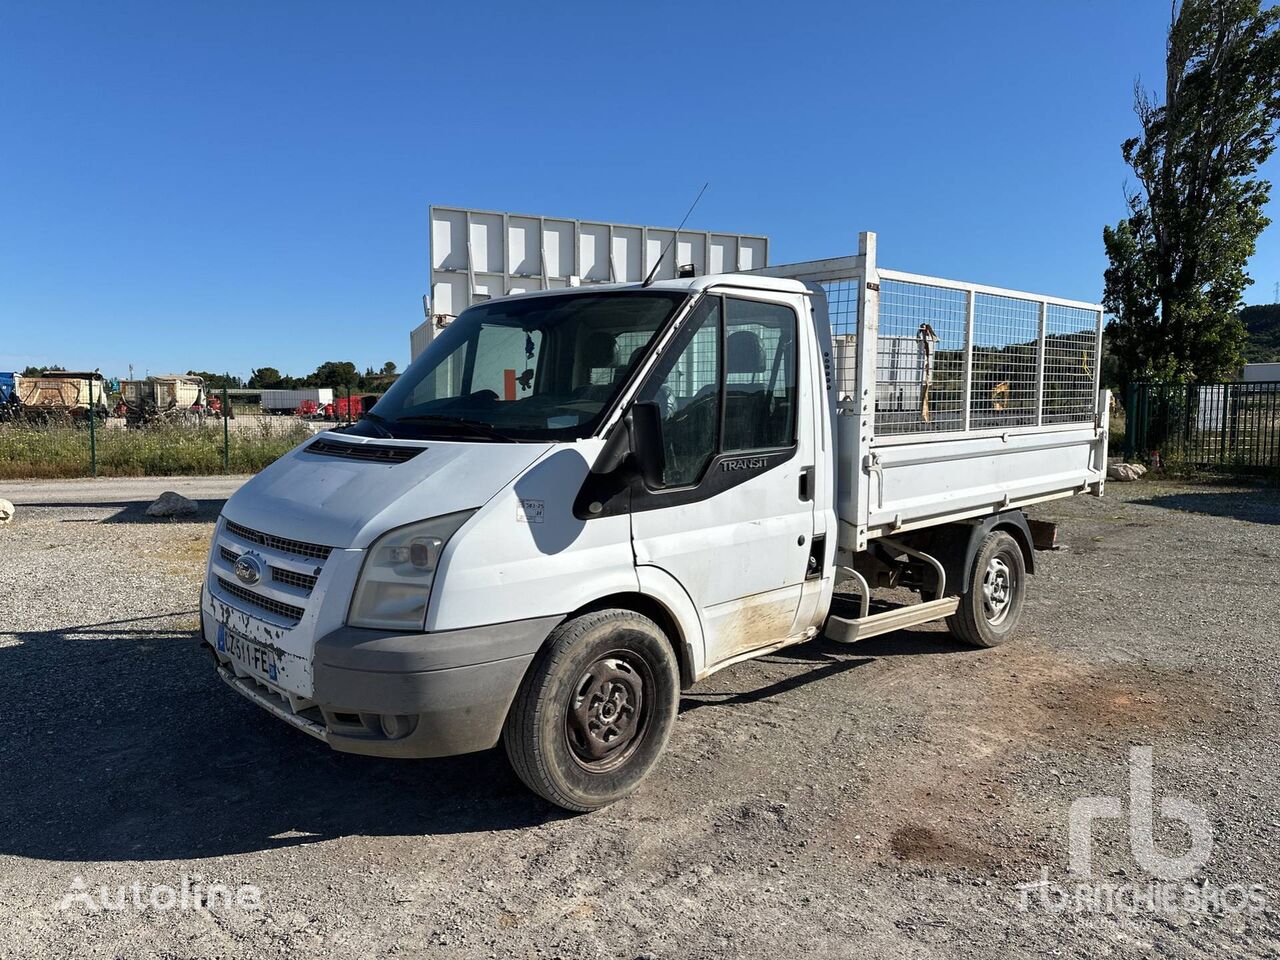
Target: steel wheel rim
column 999, row 582
column 607, row 716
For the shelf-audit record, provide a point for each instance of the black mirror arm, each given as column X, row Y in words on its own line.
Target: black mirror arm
column 616, row 449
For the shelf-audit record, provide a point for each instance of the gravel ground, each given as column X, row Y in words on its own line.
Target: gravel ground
column 886, row 799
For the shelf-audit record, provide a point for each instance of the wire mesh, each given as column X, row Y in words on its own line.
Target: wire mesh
column 1070, row 364
column 1018, row 373
column 1006, row 339
column 843, row 297
column 920, row 358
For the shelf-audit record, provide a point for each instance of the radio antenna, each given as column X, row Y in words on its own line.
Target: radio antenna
column 652, row 273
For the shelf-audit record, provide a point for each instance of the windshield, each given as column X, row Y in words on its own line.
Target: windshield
column 534, row 368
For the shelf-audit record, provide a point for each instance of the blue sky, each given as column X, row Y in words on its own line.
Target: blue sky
column 221, row 186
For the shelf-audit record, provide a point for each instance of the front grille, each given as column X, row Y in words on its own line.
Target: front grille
column 302, row 580
column 299, row 548
column 286, row 611
column 370, row 452
column 278, row 574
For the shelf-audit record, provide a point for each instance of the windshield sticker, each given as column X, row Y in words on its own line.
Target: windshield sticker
column 530, row 511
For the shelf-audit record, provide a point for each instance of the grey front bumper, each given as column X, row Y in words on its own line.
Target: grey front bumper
column 410, row 695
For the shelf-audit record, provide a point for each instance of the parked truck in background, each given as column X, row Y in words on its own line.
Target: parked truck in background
column 162, row 396
column 291, row 401
column 8, row 395
column 349, row 407
column 61, row 394
column 578, row 502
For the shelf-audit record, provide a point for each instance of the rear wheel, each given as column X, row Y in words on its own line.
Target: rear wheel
column 594, row 713
column 991, row 604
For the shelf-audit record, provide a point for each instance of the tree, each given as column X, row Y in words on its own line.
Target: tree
column 216, row 381
column 1177, row 262
column 264, row 378
column 334, row 373
column 36, row 371
column 389, row 368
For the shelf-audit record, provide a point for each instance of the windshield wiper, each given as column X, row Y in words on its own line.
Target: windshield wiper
column 477, row 427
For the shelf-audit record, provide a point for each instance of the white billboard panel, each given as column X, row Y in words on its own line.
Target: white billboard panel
column 480, row 254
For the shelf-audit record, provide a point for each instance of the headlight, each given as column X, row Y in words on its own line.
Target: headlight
column 395, row 581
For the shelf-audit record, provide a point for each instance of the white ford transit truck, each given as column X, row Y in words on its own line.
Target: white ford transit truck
column 578, row 502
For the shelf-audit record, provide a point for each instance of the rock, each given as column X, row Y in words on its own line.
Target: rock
column 6, row 511
column 170, row 504
column 1125, row 472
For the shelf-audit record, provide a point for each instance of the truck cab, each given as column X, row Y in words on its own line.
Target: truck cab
column 573, row 505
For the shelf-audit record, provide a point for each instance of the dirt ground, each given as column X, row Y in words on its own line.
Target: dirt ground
column 887, row 799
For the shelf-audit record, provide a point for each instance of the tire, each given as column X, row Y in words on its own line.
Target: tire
column 992, row 602
column 594, row 713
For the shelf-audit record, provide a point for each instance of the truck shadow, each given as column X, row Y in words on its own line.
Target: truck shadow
column 824, row 659
column 122, row 744
column 1255, row 506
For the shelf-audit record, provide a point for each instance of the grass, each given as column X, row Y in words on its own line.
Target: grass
column 29, row 451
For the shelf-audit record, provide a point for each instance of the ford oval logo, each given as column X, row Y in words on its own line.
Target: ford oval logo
column 248, row 569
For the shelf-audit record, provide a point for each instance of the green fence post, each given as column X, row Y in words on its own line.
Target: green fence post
column 93, row 438
column 1227, row 420
column 226, row 433
column 1130, row 419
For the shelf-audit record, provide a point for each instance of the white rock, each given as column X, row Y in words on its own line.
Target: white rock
column 6, row 511
column 170, row 504
column 1124, row 472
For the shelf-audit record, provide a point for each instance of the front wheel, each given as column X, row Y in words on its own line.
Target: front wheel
column 991, row 604
column 594, row 713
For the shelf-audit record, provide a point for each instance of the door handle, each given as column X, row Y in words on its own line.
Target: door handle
column 806, row 484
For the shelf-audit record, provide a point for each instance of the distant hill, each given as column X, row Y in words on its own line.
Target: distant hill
column 1263, row 323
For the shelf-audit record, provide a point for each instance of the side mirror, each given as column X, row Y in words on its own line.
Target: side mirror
column 644, row 424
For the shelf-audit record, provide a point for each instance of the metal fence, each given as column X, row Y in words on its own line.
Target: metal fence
column 51, row 444
column 956, row 358
column 1227, row 426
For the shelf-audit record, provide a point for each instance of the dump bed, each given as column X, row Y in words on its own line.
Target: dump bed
column 59, row 391
column 953, row 400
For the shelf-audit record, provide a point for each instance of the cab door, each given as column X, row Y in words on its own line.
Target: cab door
column 733, row 516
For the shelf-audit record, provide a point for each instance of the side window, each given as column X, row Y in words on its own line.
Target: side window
column 686, row 388
column 760, row 375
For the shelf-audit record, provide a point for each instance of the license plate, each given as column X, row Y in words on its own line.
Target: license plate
column 253, row 657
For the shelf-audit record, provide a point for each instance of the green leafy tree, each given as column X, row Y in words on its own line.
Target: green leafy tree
column 36, row 371
column 265, row 378
column 1177, row 262
column 389, row 368
column 216, row 381
column 334, row 373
